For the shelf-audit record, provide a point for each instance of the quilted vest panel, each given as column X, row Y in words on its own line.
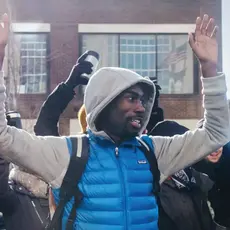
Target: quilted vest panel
column 117, row 189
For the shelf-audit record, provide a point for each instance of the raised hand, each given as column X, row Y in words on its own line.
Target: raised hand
column 204, row 44
column 4, row 34
column 75, row 77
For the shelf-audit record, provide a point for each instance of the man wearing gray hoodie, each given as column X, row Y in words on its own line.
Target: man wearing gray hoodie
column 117, row 181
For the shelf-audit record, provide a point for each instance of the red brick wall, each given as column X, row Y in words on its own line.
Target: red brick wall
column 64, row 15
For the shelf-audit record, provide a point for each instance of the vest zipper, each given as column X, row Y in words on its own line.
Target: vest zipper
column 122, row 185
column 116, row 151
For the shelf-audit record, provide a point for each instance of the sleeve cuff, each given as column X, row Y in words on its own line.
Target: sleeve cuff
column 214, row 85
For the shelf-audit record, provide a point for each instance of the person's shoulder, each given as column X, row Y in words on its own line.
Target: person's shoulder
column 226, row 149
column 202, row 180
column 168, row 128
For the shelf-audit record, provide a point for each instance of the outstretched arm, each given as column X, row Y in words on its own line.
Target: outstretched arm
column 47, row 157
column 181, row 151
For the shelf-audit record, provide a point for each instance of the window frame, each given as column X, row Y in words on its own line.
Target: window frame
column 36, row 28
column 196, row 75
column 47, row 34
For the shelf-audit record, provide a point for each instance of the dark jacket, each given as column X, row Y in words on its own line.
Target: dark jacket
column 183, row 208
column 17, row 205
column 27, row 213
column 51, row 110
column 4, row 188
column 187, row 209
column 219, row 195
column 7, row 197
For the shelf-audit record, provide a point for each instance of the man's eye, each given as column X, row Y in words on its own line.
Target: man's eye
column 132, row 99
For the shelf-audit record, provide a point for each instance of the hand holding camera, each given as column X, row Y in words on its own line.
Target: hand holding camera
column 86, row 64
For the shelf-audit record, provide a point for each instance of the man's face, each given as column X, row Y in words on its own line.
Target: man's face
column 127, row 112
column 215, row 156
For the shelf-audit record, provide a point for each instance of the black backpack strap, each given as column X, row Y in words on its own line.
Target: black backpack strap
column 151, row 158
column 69, row 188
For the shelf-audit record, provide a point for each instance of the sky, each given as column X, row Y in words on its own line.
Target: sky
column 226, row 41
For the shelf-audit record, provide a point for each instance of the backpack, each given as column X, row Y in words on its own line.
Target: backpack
column 79, row 158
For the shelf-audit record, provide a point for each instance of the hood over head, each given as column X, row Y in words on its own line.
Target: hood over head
column 108, row 83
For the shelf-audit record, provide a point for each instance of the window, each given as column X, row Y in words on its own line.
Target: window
column 105, row 45
column 30, row 51
column 165, row 57
column 138, row 53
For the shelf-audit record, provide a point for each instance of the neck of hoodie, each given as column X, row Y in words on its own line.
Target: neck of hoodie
column 115, row 138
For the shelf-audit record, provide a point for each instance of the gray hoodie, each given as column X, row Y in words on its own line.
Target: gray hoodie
column 48, row 157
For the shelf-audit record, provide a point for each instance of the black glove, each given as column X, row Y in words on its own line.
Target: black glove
column 80, row 68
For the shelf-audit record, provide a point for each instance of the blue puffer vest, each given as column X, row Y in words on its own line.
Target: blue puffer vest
column 117, row 188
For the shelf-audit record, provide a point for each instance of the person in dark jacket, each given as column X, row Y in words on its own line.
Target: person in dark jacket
column 57, row 101
column 183, row 196
column 216, row 166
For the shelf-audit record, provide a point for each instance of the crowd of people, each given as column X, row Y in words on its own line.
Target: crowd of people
column 128, row 168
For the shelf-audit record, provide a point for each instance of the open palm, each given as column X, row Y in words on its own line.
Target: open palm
column 4, row 31
column 203, row 41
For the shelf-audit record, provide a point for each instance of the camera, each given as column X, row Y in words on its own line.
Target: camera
column 14, row 119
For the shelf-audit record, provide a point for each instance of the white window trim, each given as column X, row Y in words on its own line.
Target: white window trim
column 136, row 28
column 21, row 27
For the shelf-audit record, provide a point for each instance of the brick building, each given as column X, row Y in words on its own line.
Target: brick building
column 148, row 36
